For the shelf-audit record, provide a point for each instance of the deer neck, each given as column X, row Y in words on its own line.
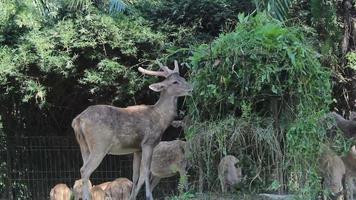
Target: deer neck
column 166, row 107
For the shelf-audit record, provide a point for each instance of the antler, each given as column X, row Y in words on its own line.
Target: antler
column 165, row 73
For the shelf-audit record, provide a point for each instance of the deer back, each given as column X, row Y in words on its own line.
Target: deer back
column 168, row 158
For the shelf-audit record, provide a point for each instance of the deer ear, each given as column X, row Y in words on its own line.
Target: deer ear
column 157, row 87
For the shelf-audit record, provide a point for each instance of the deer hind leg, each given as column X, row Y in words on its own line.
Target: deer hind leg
column 135, row 170
column 136, row 167
column 144, row 173
column 154, row 181
column 88, row 168
column 80, row 136
column 223, row 186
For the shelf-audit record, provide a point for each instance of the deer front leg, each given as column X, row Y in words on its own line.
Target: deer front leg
column 144, row 173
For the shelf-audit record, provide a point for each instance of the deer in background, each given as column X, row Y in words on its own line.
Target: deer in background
column 348, row 127
column 78, row 189
column 169, row 159
column 118, row 189
column 332, row 169
column 60, row 192
column 104, row 129
column 229, row 174
column 350, row 165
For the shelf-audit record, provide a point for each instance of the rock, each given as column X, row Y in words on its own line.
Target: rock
column 276, row 197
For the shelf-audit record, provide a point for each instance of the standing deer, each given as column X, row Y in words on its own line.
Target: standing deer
column 350, row 164
column 104, row 129
column 333, row 170
column 229, row 174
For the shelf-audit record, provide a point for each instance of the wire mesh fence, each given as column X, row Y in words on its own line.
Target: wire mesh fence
column 36, row 164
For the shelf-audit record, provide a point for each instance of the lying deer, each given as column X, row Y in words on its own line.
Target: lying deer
column 168, row 159
column 103, row 186
column 97, row 193
column 104, row 129
column 60, row 192
column 333, row 170
column 119, row 189
column 78, row 188
column 229, row 174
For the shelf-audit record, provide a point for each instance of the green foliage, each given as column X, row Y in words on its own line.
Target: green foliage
column 251, row 139
column 209, row 17
column 259, row 62
column 184, row 196
column 279, row 9
column 266, row 69
column 351, row 60
column 63, row 49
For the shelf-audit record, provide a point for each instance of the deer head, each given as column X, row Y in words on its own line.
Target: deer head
column 353, row 152
column 173, row 85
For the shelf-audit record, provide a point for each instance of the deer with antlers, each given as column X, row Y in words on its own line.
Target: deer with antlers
column 104, row 129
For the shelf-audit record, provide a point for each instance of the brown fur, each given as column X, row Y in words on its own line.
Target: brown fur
column 103, row 186
column 229, row 174
column 104, row 129
column 350, row 164
column 97, row 193
column 60, row 192
column 168, row 160
column 333, row 170
column 78, row 189
column 119, row 189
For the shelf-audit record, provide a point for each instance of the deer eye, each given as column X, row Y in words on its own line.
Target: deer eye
column 175, row 82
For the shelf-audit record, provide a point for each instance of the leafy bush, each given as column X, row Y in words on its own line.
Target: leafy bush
column 251, row 139
column 208, row 16
column 266, row 69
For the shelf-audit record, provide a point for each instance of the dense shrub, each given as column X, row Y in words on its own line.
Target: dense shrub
column 209, row 17
column 268, row 70
column 260, row 62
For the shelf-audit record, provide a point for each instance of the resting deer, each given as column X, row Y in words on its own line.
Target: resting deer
column 119, row 189
column 168, row 159
column 103, row 186
column 228, row 173
column 104, row 129
column 97, row 193
column 60, row 192
column 78, row 189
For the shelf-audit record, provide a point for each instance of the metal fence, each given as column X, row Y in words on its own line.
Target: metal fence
column 36, row 164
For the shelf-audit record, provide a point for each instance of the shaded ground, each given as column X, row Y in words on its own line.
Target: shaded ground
column 218, row 196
